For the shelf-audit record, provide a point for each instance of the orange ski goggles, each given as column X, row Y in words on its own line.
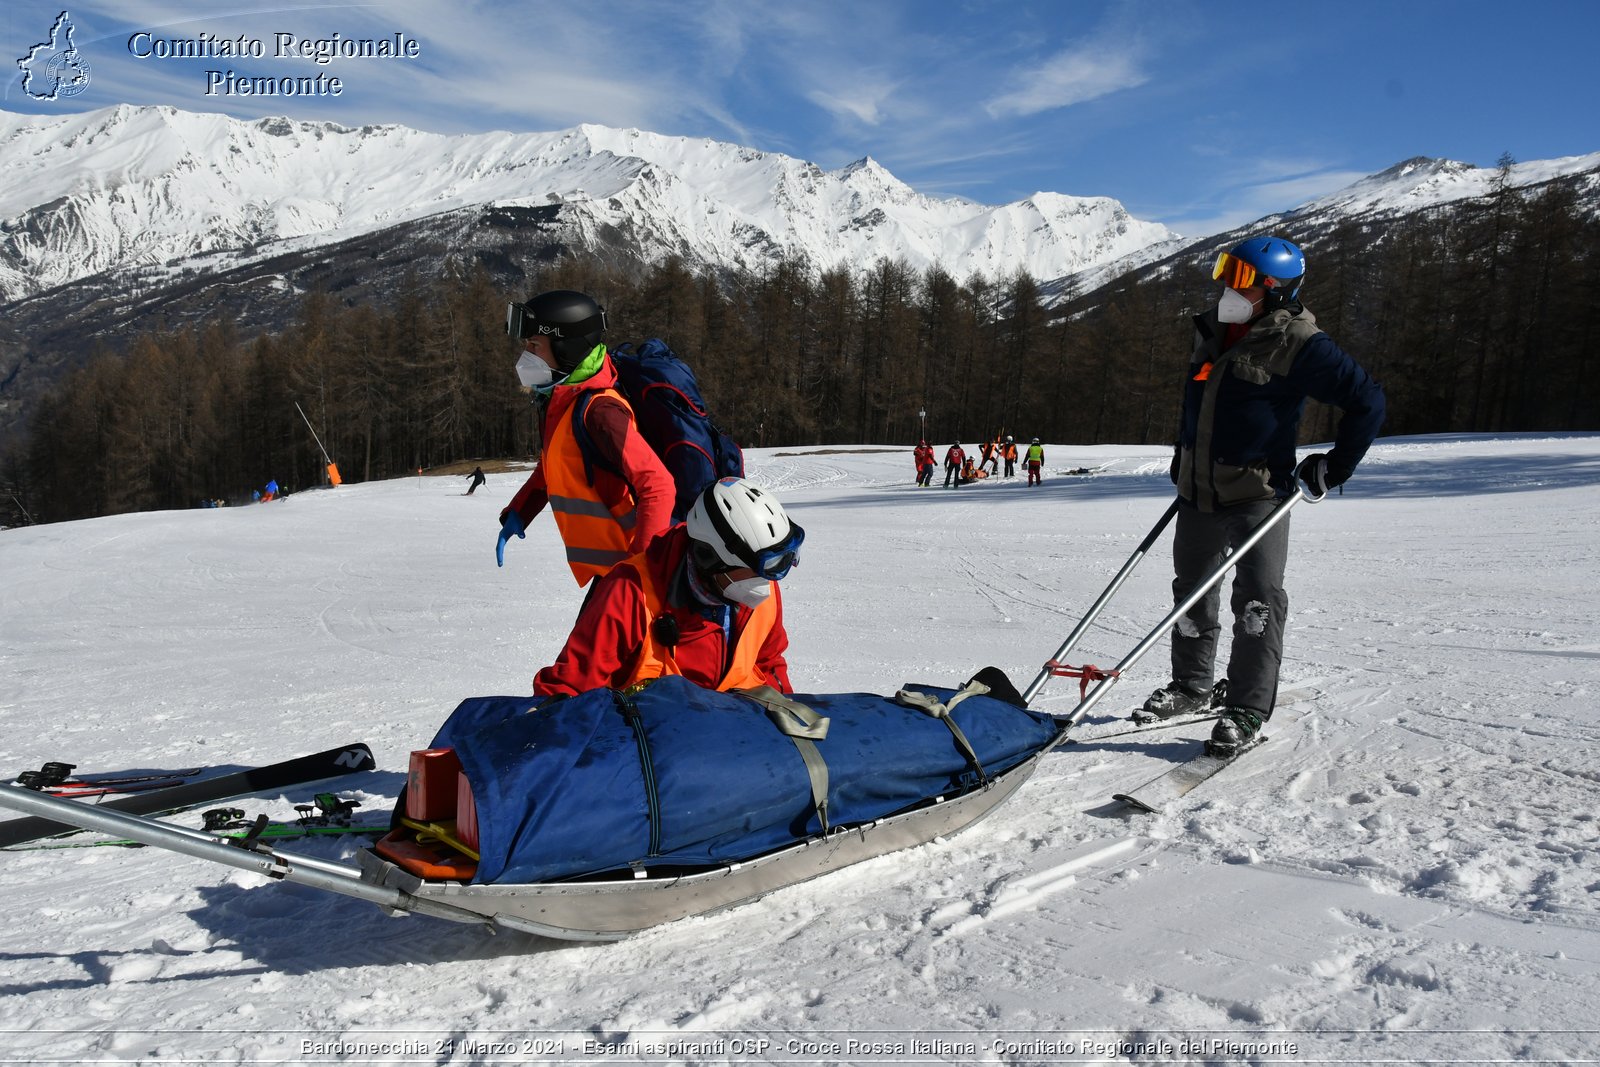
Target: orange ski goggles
column 1235, row 273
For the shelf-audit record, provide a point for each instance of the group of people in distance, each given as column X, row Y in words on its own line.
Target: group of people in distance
column 701, row 598
column 961, row 469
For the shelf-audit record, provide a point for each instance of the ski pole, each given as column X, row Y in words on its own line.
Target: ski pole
column 1111, row 591
column 1277, row 515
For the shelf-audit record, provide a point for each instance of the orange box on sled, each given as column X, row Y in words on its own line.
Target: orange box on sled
column 431, row 785
column 466, row 813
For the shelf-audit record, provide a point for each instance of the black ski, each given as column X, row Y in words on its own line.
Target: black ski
column 96, row 789
column 58, row 777
column 1165, row 788
column 297, row 771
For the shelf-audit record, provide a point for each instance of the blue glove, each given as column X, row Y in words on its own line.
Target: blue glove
column 511, row 524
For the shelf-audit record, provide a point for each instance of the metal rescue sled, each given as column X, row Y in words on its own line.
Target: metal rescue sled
column 604, row 814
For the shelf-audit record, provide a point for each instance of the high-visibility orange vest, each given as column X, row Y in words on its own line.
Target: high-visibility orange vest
column 657, row 660
column 598, row 533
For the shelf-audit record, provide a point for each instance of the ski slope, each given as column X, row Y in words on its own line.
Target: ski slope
column 1408, row 870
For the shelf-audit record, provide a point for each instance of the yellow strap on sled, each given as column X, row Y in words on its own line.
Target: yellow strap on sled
column 444, row 833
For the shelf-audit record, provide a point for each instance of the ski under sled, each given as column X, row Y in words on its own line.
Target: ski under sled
column 600, row 908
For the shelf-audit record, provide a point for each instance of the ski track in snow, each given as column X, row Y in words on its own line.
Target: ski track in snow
column 1407, row 870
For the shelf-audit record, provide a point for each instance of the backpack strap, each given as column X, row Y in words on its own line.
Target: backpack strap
column 586, row 446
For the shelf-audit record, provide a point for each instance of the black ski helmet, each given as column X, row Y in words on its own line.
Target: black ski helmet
column 572, row 321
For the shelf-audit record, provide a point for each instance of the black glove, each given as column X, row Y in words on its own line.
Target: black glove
column 1320, row 474
column 1177, row 457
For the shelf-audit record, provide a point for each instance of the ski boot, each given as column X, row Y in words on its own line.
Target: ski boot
column 1175, row 699
column 1235, row 731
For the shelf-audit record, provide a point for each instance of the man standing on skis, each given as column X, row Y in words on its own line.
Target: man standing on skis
column 1257, row 357
column 608, row 503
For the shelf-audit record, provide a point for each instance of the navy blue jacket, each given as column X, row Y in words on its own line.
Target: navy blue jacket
column 1242, row 446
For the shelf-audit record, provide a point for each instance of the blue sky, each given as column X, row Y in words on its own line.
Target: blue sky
column 1200, row 115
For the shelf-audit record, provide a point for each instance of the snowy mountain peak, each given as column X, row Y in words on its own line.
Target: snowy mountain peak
column 134, row 187
column 1422, row 182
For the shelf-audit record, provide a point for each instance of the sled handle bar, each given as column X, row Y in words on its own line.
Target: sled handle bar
column 1110, row 591
column 1279, row 512
column 257, row 857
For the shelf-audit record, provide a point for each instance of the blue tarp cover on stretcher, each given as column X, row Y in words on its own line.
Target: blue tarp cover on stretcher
column 570, row 790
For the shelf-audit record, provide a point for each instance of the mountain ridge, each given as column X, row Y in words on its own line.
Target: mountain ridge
column 128, row 187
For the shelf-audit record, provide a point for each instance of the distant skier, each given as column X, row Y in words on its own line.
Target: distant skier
column 1258, row 355
column 1008, row 452
column 477, row 480
column 1035, row 461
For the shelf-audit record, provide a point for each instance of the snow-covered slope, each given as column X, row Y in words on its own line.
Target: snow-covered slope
column 138, row 186
column 1407, row 872
column 1421, row 183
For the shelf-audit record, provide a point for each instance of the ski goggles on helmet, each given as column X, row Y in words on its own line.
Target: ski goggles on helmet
column 1235, row 273
column 523, row 322
column 517, row 319
column 771, row 563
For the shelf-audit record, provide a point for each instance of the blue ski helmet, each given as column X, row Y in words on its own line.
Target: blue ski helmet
column 1271, row 262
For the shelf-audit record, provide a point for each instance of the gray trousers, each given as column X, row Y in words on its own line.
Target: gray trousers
column 1258, row 601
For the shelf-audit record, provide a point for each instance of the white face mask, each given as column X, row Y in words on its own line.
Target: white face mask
column 533, row 372
column 749, row 591
column 1235, row 307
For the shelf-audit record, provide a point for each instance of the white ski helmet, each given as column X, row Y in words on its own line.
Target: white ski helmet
column 743, row 526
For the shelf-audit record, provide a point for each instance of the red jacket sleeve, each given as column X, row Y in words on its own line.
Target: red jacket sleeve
column 530, row 499
column 604, row 640
column 616, row 437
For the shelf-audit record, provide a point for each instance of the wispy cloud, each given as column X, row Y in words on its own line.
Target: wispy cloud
column 1075, row 76
column 863, row 102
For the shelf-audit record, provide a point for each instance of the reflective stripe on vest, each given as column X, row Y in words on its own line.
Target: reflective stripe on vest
column 597, row 535
column 656, row 660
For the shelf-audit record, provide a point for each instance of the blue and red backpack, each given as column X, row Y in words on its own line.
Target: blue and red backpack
column 672, row 417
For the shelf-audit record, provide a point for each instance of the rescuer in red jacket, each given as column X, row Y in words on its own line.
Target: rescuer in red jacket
column 604, row 516
column 701, row 601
